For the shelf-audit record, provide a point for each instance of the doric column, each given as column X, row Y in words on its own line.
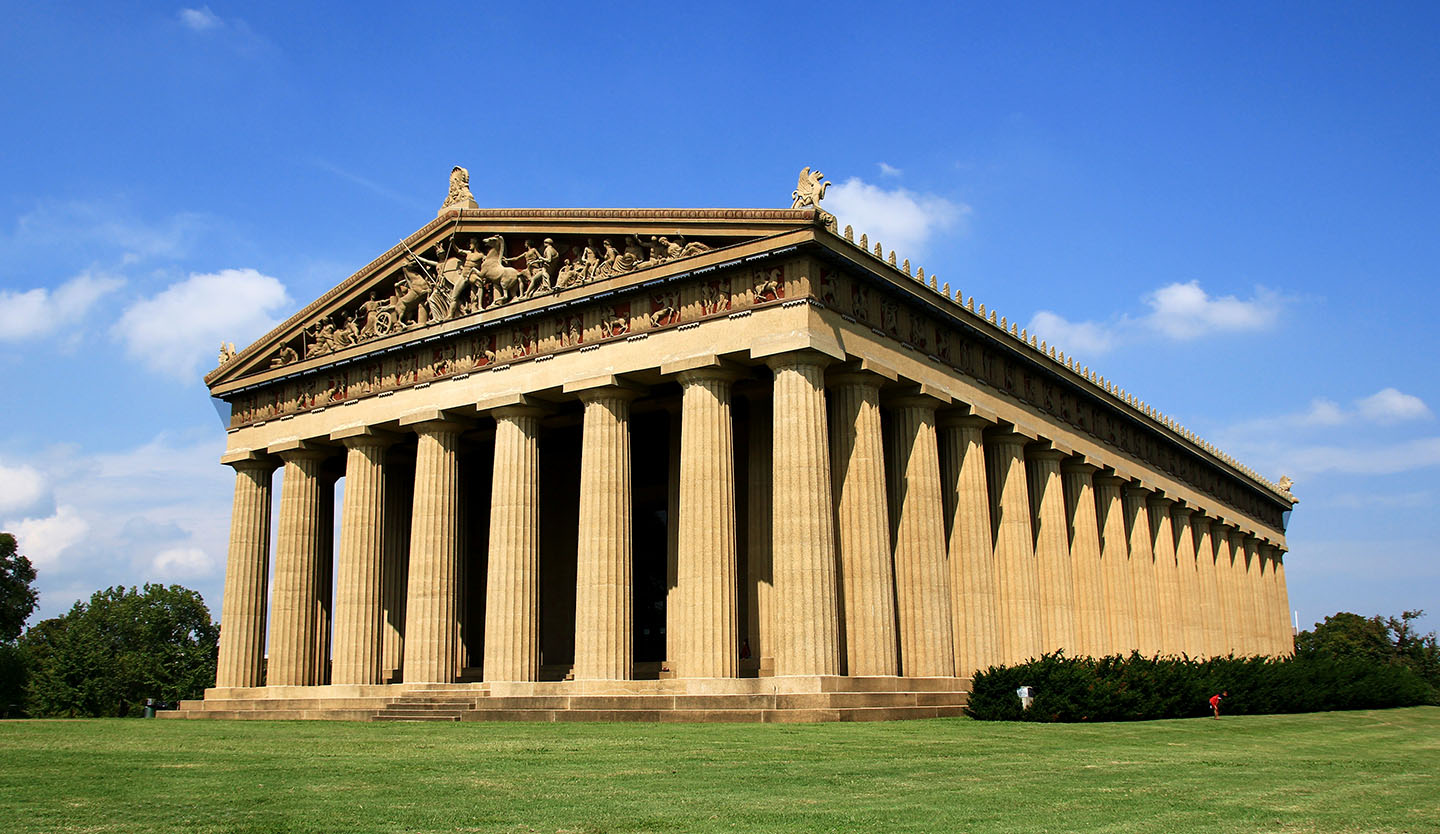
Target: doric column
column 707, row 630
column 1188, row 568
column 1122, row 636
column 922, row 580
column 1250, row 585
column 759, row 583
column 512, row 591
column 1212, row 615
column 1142, row 570
column 1016, row 583
column 1056, row 585
column 1091, row 637
column 360, row 562
column 1282, row 599
column 971, row 549
column 399, row 503
column 862, row 533
column 672, row 535
column 807, row 637
column 1266, row 611
column 432, row 652
column 1171, row 622
column 299, row 553
column 247, row 575
column 1225, row 584
column 604, row 595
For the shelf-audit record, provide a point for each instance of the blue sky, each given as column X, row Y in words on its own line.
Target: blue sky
column 1230, row 210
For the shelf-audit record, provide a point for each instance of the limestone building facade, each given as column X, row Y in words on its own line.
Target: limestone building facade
column 700, row 453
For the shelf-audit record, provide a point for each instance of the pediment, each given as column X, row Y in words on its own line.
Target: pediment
column 471, row 263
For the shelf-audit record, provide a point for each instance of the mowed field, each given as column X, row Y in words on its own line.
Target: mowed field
column 1353, row 771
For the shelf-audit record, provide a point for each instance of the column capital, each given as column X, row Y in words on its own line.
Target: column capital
column 1078, row 466
column 512, row 405
column 1110, row 479
column 1042, row 450
column 799, row 358
column 432, row 421
column 1200, row 521
column 1157, row 499
column 250, row 461
column 917, row 395
column 1001, row 435
column 294, row 450
column 860, row 372
column 708, row 366
column 959, row 415
column 1181, row 508
column 606, row 387
column 362, row 437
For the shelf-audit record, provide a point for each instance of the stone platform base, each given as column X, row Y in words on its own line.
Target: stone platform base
column 774, row 699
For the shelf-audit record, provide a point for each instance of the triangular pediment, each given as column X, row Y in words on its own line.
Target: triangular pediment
column 475, row 262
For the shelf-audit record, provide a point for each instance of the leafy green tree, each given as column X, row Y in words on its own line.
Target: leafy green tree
column 105, row 657
column 1346, row 635
column 1420, row 652
column 17, row 601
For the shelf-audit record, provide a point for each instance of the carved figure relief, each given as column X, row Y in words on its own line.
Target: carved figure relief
column 459, row 195
column 664, row 309
column 714, row 297
column 615, row 321
column 767, row 286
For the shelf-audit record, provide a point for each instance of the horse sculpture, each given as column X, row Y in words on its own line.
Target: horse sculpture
column 504, row 279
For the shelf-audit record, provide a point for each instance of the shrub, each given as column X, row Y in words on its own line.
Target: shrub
column 1138, row 688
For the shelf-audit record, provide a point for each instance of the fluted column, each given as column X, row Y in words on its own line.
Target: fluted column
column 760, row 582
column 862, row 534
column 1142, row 570
column 707, row 629
column 922, row 579
column 604, row 595
column 1171, row 623
column 1282, row 598
column 1250, row 584
column 359, row 564
column 1091, row 637
column 1055, row 582
column 432, row 653
column 399, row 503
column 807, row 638
column 1115, row 567
column 512, row 591
column 247, row 577
column 1265, row 610
column 1016, row 582
column 1188, row 569
column 1225, row 584
column 1212, row 615
column 971, row 548
column 299, row 546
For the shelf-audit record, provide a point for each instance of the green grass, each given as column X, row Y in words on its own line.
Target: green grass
column 1355, row 771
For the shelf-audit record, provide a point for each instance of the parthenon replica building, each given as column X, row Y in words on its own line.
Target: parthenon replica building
column 699, row 464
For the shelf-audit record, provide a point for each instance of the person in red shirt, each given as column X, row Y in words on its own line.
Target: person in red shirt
column 1215, row 702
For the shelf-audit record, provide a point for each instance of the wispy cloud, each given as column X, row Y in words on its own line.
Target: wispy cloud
column 38, row 312
column 1178, row 312
column 900, row 219
column 200, row 20
column 888, row 170
column 368, row 184
column 179, row 329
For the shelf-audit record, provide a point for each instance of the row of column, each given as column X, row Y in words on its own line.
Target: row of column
column 963, row 546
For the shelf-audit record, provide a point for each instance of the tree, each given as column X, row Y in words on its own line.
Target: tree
column 1390, row 640
column 17, row 602
column 105, row 657
column 17, row 597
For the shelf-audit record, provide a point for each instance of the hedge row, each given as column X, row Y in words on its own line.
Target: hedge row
column 1137, row 688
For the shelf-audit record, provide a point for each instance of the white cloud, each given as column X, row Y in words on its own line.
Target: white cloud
column 1391, row 406
column 201, row 19
column 899, row 219
column 1185, row 311
column 890, row 170
column 183, row 563
column 102, row 231
column 40, row 312
column 45, row 540
column 1085, row 337
column 22, row 489
column 1369, row 459
column 178, row 330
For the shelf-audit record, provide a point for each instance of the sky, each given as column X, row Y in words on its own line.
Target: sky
column 1228, row 209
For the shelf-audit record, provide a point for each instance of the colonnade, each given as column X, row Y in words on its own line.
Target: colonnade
column 889, row 533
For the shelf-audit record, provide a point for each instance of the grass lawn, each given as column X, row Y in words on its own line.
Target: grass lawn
column 1348, row 771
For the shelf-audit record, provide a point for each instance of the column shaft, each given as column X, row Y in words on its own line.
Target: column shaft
column 1091, row 637
column 1225, row 583
column 1287, row 631
column 971, row 548
column 247, row 576
column 294, row 631
column 707, row 628
column 512, row 591
column 1121, row 630
column 1171, row 622
column 1056, row 584
column 1190, row 596
column 1250, row 584
column 359, row 564
column 1142, row 571
column 760, row 584
column 1016, row 582
column 1212, row 612
column 604, row 596
column 862, row 534
column 922, row 580
column 399, row 503
column 807, row 639
column 432, row 652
